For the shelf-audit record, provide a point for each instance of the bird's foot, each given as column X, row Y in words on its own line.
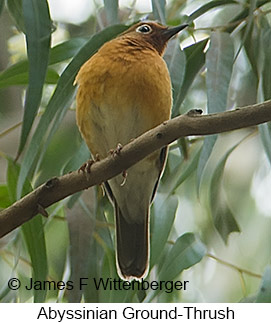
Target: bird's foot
column 97, row 158
column 115, row 152
column 124, row 175
column 85, row 168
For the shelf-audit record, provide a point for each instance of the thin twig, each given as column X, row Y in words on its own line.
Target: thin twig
column 228, row 264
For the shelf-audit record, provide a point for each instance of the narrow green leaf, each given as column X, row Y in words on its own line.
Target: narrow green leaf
column 96, row 256
column 66, row 50
column 176, row 61
column 208, row 6
column 219, row 63
column 16, row 12
column 51, row 76
column 252, row 47
column 266, row 68
column 205, row 154
column 23, row 79
column 18, row 72
column 185, row 253
column 4, row 197
column 183, row 147
column 62, row 96
column 81, row 227
column 59, row 116
column 101, row 258
column 182, row 172
column 13, row 71
column 258, row 52
column 159, row 10
column 249, row 23
column 35, row 240
column 242, row 16
column 265, row 132
column 195, row 58
column 178, row 170
column 162, row 219
column 264, row 293
column 2, row 2
column 223, row 218
column 12, row 178
column 73, row 199
column 112, row 10
column 38, row 37
column 32, row 231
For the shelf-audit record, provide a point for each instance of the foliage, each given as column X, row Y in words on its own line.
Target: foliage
column 206, row 192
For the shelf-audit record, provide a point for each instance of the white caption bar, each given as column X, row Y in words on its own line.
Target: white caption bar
column 177, row 312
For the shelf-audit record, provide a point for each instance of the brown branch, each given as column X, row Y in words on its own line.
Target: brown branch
column 191, row 123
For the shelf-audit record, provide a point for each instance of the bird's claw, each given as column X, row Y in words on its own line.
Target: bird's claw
column 124, row 175
column 85, row 168
column 115, row 152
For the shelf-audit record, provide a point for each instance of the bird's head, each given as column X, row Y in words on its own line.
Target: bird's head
column 153, row 33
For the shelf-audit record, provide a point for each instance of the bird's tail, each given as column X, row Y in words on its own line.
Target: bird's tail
column 132, row 247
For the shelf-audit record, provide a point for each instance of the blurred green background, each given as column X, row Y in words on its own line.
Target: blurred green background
column 211, row 219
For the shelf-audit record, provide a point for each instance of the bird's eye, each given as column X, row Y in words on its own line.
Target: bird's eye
column 144, row 29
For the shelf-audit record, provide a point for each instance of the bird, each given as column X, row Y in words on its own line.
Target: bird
column 124, row 90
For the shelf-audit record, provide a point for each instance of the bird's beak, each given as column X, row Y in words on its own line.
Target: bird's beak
column 170, row 32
